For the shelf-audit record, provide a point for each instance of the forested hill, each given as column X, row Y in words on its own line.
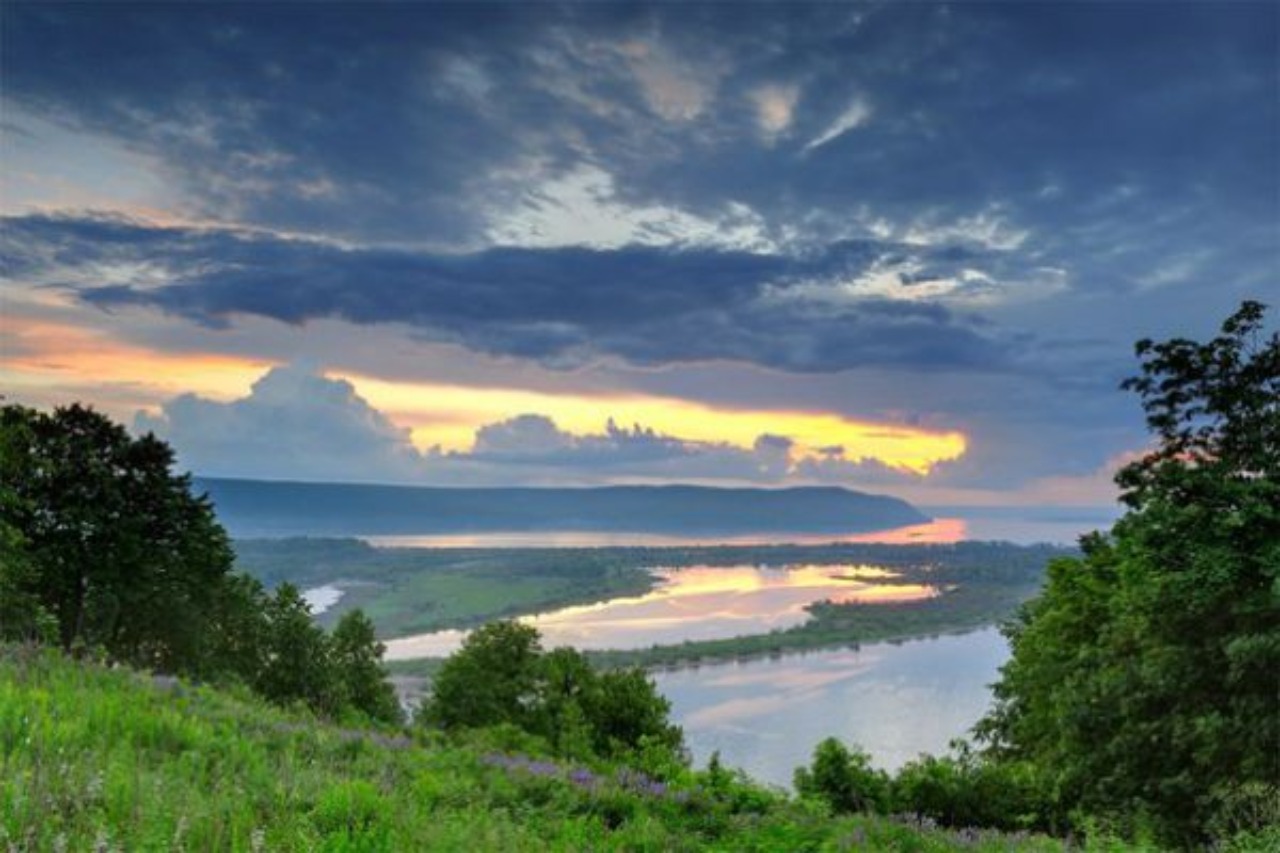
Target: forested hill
column 262, row 508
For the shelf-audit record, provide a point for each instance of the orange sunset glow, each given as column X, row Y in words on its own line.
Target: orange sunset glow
column 448, row 415
column 48, row 355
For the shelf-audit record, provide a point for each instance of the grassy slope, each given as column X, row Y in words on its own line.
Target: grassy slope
column 98, row 759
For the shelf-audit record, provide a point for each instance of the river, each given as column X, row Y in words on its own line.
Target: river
column 895, row 700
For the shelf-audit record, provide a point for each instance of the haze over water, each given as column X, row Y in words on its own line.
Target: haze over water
column 1022, row 527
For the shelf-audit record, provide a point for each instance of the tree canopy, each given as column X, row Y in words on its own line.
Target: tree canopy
column 1145, row 681
column 501, row 676
column 125, row 558
column 104, row 548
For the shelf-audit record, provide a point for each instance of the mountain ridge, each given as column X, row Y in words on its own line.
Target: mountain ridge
column 284, row 508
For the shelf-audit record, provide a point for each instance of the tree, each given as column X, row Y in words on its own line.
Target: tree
column 492, row 679
column 501, row 676
column 118, row 550
column 566, row 685
column 1143, row 683
column 844, row 779
column 356, row 656
column 297, row 664
column 626, row 712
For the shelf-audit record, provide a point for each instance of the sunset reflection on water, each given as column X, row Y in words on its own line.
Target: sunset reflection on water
column 697, row 603
column 940, row 531
column 937, row 531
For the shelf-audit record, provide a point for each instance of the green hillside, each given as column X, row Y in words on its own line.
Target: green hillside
column 112, row 759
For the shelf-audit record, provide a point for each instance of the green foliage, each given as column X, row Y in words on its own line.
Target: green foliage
column 844, row 779
column 627, row 713
column 117, row 549
column 296, row 664
column 502, row 676
column 1147, row 675
column 492, row 679
column 102, row 548
column 356, row 657
column 968, row 789
column 109, row 759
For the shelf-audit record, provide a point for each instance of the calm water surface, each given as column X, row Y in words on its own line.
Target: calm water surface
column 766, row 715
column 895, row 700
column 981, row 525
column 695, row 603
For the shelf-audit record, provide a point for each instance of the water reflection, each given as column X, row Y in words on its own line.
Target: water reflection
column 894, row 700
column 979, row 525
column 697, row 603
column 938, row 530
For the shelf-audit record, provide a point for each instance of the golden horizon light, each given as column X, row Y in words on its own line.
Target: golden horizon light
column 54, row 361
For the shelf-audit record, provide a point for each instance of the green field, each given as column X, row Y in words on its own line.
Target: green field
column 411, row 590
column 98, row 759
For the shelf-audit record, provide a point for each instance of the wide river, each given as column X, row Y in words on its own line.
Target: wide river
column 694, row 603
column 766, row 715
column 995, row 524
column 895, row 700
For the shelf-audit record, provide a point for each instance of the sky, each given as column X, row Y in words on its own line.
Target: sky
column 898, row 247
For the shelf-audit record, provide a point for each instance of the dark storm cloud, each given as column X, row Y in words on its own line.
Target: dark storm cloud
column 647, row 305
column 1081, row 174
column 1109, row 131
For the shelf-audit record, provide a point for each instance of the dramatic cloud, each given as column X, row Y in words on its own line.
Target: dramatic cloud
column 294, row 424
column 646, row 305
column 957, row 213
column 297, row 424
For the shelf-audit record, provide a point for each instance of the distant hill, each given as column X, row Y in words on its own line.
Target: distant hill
column 263, row 508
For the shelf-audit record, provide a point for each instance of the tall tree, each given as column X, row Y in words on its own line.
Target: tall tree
column 125, row 557
column 492, row 679
column 361, row 680
column 296, row 655
column 1145, row 680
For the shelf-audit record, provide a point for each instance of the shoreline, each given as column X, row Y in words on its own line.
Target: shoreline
column 833, row 626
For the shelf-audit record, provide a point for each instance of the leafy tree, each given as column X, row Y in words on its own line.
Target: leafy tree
column 356, row 656
column 1144, row 682
column 844, row 779
column 501, row 676
column 297, row 659
column 566, row 685
column 627, row 713
column 117, row 549
column 22, row 616
column 492, row 679
column 969, row 789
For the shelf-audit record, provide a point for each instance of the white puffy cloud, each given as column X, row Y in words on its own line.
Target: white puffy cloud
column 522, row 437
column 297, row 424
column 294, row 424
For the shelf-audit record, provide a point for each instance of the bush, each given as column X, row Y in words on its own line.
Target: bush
column 501, row 676
column 844, row 779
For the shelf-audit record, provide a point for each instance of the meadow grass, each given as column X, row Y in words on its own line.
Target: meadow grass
column 93, row 758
